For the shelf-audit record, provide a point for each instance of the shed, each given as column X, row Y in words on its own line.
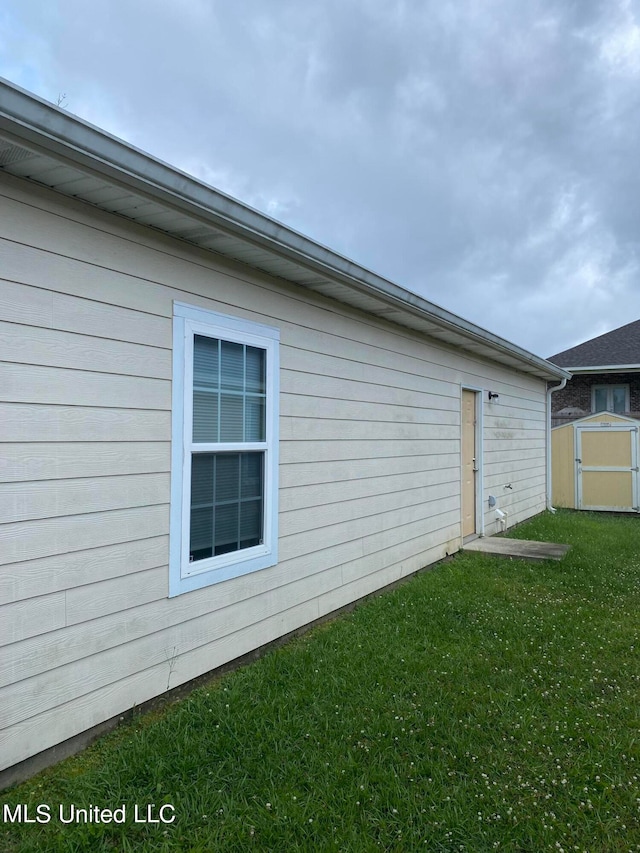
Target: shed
column 595, row 463
column 214, row 430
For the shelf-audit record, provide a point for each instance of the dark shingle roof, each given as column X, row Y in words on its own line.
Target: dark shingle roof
column 621, row 346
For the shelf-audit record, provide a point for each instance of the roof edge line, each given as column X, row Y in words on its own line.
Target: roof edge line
column 39, row 123
column 605, row 368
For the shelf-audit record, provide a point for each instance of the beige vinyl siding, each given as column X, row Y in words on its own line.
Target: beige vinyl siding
column 369, row 463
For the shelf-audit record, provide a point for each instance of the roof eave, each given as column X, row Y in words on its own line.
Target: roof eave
column 605, row 368
column 34, row 123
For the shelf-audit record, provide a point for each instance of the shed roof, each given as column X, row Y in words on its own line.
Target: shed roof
column 619, row 349
column 45, row 144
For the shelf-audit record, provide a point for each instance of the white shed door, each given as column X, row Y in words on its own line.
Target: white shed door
column 607, row 467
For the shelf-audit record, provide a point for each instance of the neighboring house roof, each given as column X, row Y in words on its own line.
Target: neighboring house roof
column 49, row 146
column 614, row 351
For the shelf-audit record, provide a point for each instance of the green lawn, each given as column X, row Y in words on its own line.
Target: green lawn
column 485, row 705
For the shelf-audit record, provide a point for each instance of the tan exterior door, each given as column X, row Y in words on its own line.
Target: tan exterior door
column 607, row 468
column 469, row 467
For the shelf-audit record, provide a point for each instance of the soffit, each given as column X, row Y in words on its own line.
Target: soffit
column 236, row 232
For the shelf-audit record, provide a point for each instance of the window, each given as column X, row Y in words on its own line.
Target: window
column 610, row 398
column 224, row 487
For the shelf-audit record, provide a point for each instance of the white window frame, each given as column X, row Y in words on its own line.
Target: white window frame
column 609, row 390
column 185, row 576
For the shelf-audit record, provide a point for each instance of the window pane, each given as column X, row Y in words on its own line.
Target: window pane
column 251, row 522
column 227, row 477
column 600, row 400
column 201, row 534
column 251, row 475
column 232, row 366
column 255, row 369
column 226, row 524
column 619, row 399
column 228, row 391
column 226, row 502
column 200, row 546
column 205, row 416
column 254, row 419
column 205, row 362
column 231, row 417
column 202, row 479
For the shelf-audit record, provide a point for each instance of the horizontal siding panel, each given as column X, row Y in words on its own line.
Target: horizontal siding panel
column 298, row 544
column 54, row 498
column 39, row 732
column 500, row 446
column 177, row 271
column 443, row 517
column 342, row 491
column 525, row 508
column 518, row 428
column 50, row 347
column 33, row 422
column 75, row 569
column 413, row 360
column 98, row 599
column 519, row 508
column 28, row 618
column 64, row 460
column 512, row 405
column 505, row 456
column 23, row 383
column 503, row 467
column 85, row 637
column 48, row 272
column 365, row 391
column 412, row 551
column 499, row 479
column 147, row 255
column 505, row 435
column 119, row 628
column 135, row 255
column 28, row 540
column 338, row 366
column 314, row 429
column 383, row 506
column 35, row 734
column 148, row 284
column 372, row 344
column 324, row 409
column 368, row 584
column 83, row 315
column 365, row 548
column 59, row 685
column 320, row 451
column 528, row 416
column 524, row 493
column 20, row 303
column 295, row 475
column 88, row 638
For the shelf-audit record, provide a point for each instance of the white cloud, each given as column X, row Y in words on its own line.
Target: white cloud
column 481, row 154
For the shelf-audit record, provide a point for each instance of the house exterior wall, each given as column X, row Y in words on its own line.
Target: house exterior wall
column 574, row 400
column 369, row 464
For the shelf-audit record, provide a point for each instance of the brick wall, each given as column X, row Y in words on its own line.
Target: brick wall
column 574, row 401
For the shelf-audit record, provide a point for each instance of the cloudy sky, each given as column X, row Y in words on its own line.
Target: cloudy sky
column 485, row 155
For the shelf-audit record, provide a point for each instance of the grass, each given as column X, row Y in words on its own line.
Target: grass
column 486, row 705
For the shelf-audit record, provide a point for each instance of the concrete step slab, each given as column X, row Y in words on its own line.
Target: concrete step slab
column 521, row 548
